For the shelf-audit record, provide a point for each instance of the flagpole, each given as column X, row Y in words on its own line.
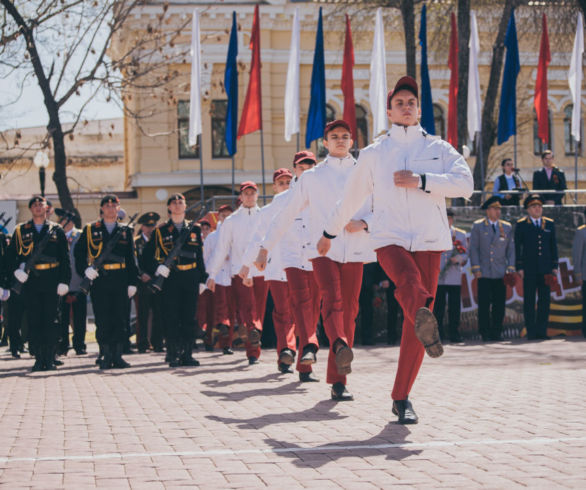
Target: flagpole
column 576, row 149
column 479, row 136
column 201, row 193
column 298, row 142
column 233, row 179
column 262, row 160
column 515, row 145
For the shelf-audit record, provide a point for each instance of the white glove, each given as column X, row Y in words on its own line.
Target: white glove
column 91, row 273
column 202, row 288
column 5, row 294
column 62, row 289
column 20, row 275
column 131, row 291
column 163, row 270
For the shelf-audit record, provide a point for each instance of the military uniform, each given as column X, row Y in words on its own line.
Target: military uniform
column 579, row 261
column 109, row 291
column 181, row 289
column 537, row 255
column 492, row 252
column 39, row 293
column 4, row 284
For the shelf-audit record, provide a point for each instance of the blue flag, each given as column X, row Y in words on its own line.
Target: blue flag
column 316, row 119
column 508, row 106
column 231, row 87
column 427, row 121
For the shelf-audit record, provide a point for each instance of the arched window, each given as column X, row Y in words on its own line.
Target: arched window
column 439, row 121
column 330, row 116
column 539, row 146
column 361, row 127
column 569, row 143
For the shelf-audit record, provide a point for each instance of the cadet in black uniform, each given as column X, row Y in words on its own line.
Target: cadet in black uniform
column 181, row 286
column 4, row 285
column 147, row 302
column 113, row 283
column 536, row 255
column 48, row 278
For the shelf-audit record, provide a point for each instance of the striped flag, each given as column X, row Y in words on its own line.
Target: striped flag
column 292, row 84
column 195, row 92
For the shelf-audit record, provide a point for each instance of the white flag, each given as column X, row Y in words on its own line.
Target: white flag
column 292, row 85
column 195, row 94
column 575, row 77
column 474, row 105
column 377, row 92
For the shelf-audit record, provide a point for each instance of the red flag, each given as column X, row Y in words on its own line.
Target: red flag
column 348, row 81
column 251, row 119
column 540, row 101
column 453, row 95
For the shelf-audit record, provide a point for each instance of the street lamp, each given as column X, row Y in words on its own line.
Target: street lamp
column 41, row 161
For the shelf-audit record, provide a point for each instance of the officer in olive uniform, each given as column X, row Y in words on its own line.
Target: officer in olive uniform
column 48, row 279
column 113, row 283
column 537, row 256
column 579, row 262
column 181, row 287
column 147, row 303
column 492, row 255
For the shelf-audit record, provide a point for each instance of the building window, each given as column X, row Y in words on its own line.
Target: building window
column 218, row 113
column 539, row 146
column 330, row 116
column 361, row 126
column 439, row 121
column 185, row 151
column 569, row 143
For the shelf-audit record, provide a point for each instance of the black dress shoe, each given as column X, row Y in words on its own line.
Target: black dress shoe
column 252, row 360
column 340, row 393
column 286, row 356
column 285, row 368
column 254, row 337
column 308, row 356
column 80, row 352
column 308, row 377
column 15, row 355
column 227, row 351
column 404, row 410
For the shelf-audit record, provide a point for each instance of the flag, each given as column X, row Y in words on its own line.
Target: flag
column 316, row 118
column 231, row 87
column 427, row 121
column 348, row 81
column 540, row 101
column 507, row 124
column 453, row 95
column 292, row 84
column 377, row 91
column 575, row 76
column 195, row 91
column 474, row 106
column 251, row 118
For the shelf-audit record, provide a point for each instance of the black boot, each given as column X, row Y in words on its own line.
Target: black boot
column 117, row 361
column 172, row 354
column 38, row 365
column 50, row 359
column 100, row 355
column 106, row 361
column 186, row 355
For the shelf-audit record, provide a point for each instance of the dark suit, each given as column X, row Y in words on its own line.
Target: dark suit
column 537, row 255
column 556, row 183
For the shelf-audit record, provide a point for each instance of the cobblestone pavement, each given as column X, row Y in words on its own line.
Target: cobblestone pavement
column 498, row 415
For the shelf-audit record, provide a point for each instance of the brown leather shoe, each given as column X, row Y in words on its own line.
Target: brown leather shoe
column 427, row 332
column 286, row 356
column 344, row 357
column 308, row 356
column 254, row 337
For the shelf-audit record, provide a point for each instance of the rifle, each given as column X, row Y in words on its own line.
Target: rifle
column 86, row 282
column 156, row 284
column 38, row 253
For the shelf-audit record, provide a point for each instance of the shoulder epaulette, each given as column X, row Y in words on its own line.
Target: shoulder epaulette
column 581, row 227
column 478, row 221
column 547, row 219
column 460, row 230
column 505, row 222
column 524, row 218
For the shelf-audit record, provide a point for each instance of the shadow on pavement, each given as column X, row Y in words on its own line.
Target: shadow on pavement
column 236, row 396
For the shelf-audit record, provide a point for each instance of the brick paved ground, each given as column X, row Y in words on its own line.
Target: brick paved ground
column 500, row 415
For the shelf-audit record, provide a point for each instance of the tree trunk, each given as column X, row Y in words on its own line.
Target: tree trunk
column 54, row 127
column 408, row 15
column 463, row 63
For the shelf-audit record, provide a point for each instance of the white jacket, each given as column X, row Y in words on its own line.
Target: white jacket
column 318, row 191
column 414, row 219
column 234, row 237
column 210, row 245
column 274, row 270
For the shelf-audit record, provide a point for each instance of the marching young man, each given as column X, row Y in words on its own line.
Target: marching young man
column 408, row 174
column 180, row 290
column 250, row 294
column 339, row 275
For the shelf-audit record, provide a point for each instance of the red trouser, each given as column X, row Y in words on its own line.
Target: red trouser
column 282, row 320
column 415, row 275
column 251, row 303
column 305, row 302
column 339, row 285
column 224, row 312
column 205, row 314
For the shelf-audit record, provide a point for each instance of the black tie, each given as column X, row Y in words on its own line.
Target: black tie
column 537, row 223
column 494, row 227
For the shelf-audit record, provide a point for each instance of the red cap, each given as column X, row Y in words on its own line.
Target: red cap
column 249, row 184
column 338, row 123
column 305, row 157
column 225, row 207
column 282, row 172
column 404, row 83
column 204, row 222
